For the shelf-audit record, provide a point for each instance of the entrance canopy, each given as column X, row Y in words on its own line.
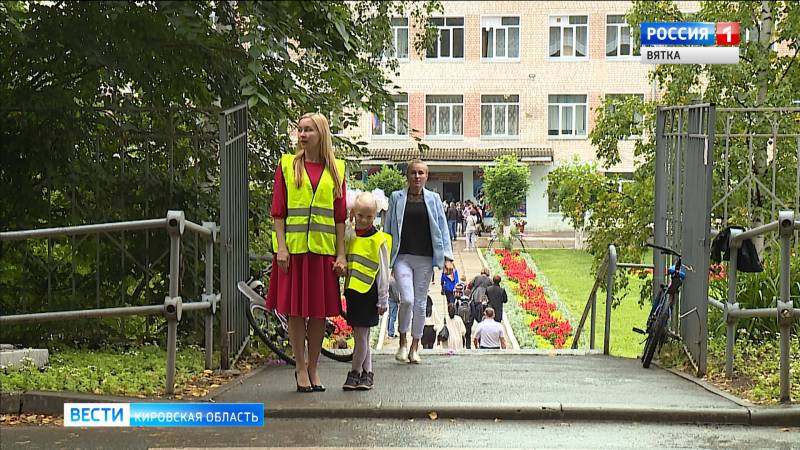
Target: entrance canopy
column 455, row 156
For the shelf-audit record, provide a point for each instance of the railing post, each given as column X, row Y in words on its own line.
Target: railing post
column 785, row 308
column 209, row 293
column 730, row 303
column 172, row 303
column 611, row 271
column 593, row 320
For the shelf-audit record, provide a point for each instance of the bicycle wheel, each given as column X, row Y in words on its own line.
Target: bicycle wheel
column 269, row 328
column 656, row 336
column 338, row 341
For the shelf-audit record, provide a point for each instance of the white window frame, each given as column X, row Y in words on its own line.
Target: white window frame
column 561, row 107
column 634, row 56
column 624, row 94
column 744, row 38
column 395, row 30
column 550, row 23
column 442, row 106
column 500, row 17
column 384, row 135
column 450, row 58
column 506, row 105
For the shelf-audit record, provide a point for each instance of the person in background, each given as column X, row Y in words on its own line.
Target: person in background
column 394, row 303
column 455, row 329
column 497, row 296
column 453, row 216
column 463, row 309
column 449, row 280
column 420, row 242
column 309, row 246
column 472, row 229
column 489, row 333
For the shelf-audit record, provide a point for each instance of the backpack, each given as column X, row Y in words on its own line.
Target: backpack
column 464, row 312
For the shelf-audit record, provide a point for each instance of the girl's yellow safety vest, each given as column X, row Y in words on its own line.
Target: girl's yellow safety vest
column 363, row 260
column 310, row 226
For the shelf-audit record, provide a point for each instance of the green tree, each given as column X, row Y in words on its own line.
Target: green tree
column 108, row 112
column 388, row 179
column 505, row 186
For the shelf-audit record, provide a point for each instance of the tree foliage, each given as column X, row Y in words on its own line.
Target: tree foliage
column 109, row 111
column 388, row 179
column 505, row 186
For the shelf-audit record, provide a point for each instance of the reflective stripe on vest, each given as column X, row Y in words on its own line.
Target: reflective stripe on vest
column 363, row 260
column 310, row 224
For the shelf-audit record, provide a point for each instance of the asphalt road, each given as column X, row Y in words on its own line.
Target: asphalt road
column 376, row 433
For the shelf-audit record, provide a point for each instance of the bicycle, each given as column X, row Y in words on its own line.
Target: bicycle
column 657, row 329
column 272, row 328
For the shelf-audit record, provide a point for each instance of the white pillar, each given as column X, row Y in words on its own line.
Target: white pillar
column 466, row 184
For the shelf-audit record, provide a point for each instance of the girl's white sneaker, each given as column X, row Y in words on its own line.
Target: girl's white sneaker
column 402, row 354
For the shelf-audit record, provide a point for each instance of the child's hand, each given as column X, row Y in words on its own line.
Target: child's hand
column 381, row 310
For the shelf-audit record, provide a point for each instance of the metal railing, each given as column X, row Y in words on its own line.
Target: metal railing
column 175, row 224
column 784, row 311
column 607, row 271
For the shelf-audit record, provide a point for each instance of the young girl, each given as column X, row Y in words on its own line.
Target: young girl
column 366, row 287
column 449, row 280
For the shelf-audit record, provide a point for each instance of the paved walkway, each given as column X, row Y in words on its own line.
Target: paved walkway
column 468, row 264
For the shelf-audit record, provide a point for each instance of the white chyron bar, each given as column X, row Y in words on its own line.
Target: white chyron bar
column 690, row 55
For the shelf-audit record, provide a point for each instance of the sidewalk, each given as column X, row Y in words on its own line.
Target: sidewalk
column 509, row 385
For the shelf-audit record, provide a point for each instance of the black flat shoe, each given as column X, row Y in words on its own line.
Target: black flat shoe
column 303, row 388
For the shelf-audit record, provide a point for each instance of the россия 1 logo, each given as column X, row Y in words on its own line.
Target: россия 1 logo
column 689, row 42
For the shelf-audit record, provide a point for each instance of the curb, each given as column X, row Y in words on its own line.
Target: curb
column 52, row 403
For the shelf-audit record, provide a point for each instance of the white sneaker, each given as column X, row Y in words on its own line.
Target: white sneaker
column 402, row 354
column 413, row 357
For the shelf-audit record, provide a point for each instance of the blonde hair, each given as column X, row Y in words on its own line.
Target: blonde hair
column 325, row 151
column 368, row 200
column 415, row 162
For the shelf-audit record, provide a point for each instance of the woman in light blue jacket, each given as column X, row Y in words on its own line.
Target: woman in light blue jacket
column 420, row 240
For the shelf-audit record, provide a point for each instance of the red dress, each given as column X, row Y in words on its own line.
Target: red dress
column 310, row 288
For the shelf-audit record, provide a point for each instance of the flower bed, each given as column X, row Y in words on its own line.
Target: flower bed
column 541, row 315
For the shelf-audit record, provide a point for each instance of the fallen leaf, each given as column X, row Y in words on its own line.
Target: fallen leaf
column 433, row 415
column 208, row 371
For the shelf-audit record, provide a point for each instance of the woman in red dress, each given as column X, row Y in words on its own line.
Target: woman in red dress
column 309, row 208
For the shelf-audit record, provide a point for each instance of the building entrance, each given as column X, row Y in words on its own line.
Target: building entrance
column 451, row 192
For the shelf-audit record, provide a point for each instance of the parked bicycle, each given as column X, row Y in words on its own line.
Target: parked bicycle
column 273, row 328
column 657, row 329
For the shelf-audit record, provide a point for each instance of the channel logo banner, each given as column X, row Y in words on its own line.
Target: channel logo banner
column 677, row 33
column 163, row 414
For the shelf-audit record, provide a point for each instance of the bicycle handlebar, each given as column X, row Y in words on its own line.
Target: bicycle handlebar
column 664, row 249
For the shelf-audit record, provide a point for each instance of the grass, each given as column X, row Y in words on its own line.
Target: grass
column 569, row 273
column 134, row 372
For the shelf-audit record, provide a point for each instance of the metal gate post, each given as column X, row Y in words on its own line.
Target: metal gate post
column 660, row 213
column 208, row 295
column 785, row 308
column 172, row 304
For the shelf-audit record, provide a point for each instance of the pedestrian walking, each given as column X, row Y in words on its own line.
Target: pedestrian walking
column 456, row 330
column 453, row 216
column 449, row 280
column 497, row 297
column 464, row 311
column 420, row 242
column 489, row 333
column 472, row 229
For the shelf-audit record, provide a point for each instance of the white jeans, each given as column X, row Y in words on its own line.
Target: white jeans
column 413, row 275
column 471, row 238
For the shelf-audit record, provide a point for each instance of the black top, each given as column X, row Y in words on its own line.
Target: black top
column 497, row 296
column 415, row 237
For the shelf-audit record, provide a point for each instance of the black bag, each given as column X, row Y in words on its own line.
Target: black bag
column 444, row 333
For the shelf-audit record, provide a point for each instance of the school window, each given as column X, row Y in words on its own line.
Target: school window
column 499, row 115
column 395, row 121
column 500, row 37
column 566, row 115
column 636, row 119
column 400, row 37
column 444, row 115
column 335, row 124
column 450, row 39
column 619, row 39
column 569, row 37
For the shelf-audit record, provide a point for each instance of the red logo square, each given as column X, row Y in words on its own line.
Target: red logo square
column 727, row 33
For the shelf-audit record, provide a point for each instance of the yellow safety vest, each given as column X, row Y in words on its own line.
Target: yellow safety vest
column 310, row 226
column 363, row 260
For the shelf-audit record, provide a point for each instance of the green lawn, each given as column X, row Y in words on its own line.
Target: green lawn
column 569, row 273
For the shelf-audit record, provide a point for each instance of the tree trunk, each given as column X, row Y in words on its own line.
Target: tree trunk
column 766, row 26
